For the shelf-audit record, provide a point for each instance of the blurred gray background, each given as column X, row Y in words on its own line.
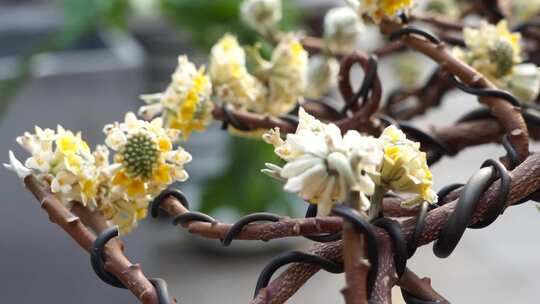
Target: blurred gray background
column 96, row 83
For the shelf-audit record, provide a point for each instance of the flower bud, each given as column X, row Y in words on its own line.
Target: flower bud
column 341, row 29
column 524, row 82
column 261, row 15
column 321, row 76
column 502, row 55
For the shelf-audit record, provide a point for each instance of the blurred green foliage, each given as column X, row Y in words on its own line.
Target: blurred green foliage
column 241, row 185
column 208, row 20
column 81, row 17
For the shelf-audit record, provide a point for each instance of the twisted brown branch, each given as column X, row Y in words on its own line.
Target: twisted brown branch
column 116, row 262
column 509, row 116
column 525, row 181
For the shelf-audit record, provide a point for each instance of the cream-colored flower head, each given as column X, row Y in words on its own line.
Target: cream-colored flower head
column 448, row 8
column 231, row 80
column 524, row 82
column 378, row 10
column 405, row 168
column 125, row 214
column 145, row 161
column 322, row 75
column 261, row 15
column 408, row 68
column 287, row 76
column 491, row 49
column 341, row 29
column 524, row 10
column 185, row 105
column 323, row 166
column 495, row 52
column 63, row 160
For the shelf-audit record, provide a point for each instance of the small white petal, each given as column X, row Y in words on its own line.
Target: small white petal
column 16, row 166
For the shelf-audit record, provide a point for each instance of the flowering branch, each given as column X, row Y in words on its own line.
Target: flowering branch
column 116, row 262
column 509, row 116
column 525, row 182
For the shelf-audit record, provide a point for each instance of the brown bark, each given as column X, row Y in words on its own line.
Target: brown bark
column 525, row 181
column 509, row 116
column 356, row 266
column 115, row 262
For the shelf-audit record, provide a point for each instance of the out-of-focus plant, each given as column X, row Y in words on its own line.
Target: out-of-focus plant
column 81, row 17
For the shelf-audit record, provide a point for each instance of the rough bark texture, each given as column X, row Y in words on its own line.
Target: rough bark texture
column 115, row 261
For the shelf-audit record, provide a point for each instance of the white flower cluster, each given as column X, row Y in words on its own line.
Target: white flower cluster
column 145, row 163
column 524, row 10
column 322, row 73
column 261, row 15
column 323, row 166
column 495, row 52
column 63, row 160
column 341, row 29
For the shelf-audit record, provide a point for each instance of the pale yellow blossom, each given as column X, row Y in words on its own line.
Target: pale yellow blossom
column 185, row 104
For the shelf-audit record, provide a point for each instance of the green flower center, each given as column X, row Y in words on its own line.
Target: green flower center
column 503, row 56
column 140, row 155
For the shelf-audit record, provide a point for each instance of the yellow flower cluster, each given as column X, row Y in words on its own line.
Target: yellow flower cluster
column 274, row 88
column 63, row 160
column 378, row 10
column 495, row 52
column 186, row 103
column 145, row 163
column 492, row 49
column 404, row 168
column 287, row 76
column 232, row 82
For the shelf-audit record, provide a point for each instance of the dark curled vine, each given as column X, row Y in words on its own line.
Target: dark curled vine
column 161, row 289
column 398, row 242
column 97, row 256
column 527, row 25
column 365, row 87
column 230, row 119
column 321, row 238
column 156, row 203
column 363, row 226
column 294, row 257
column 370, row 90
column 292, row 119
column 480, row 113
column 459, row 220
column 399, row 95
column 440, row 148
column 412, row 244
column 443, row 193
column 324, row 103
column 414, row 31
column 192, row 216
column 237, row 227
column 425, row 137
column 482, row 92
column 511, row 152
